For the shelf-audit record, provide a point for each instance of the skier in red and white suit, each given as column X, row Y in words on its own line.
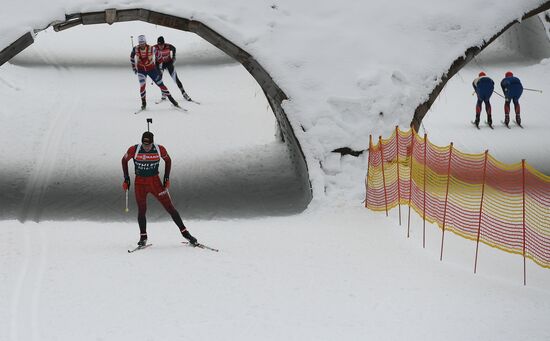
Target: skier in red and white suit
column 144, row 63
column 146, row 158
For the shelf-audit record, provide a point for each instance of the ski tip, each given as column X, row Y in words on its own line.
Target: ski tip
column 200, row 246
column 139, row 248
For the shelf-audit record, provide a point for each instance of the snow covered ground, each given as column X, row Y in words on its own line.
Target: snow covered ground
column 334, row 272
column 345, row 274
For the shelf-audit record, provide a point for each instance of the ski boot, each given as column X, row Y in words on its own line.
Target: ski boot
column 192, row 240
column 186, row 96
column 142, row 239
column 143, row 104
column 518, row 120
column 173, row 101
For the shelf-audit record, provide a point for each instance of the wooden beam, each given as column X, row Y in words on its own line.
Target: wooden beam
column 16, row 47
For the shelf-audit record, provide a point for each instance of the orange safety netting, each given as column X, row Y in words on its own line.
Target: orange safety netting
column 473, row 195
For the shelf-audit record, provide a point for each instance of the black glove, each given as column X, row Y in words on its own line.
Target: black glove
column 126, row 183
column 166, row 182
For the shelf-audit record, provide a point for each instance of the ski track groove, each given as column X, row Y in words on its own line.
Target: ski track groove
column 45, row 165
column 16, row 303
column 28, row 287
column 36, row 295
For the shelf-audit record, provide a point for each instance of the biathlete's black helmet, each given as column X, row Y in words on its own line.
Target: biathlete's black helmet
column 160, row 40
column 147, row 137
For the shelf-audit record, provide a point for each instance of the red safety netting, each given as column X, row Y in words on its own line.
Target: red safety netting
column 472, row 195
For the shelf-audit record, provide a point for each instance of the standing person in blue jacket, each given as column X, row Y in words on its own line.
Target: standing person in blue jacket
column 484, row 87
column 512, row 88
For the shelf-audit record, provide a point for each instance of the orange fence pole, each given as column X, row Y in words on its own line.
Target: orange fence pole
column 424, row 209
column 446, row 197
column 481, row 207
column 410, row 182
column 398, row 177
column 368, row 172
column 383, row 174
column 523, row 203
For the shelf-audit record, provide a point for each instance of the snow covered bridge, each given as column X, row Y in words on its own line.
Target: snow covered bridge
column 329, row 89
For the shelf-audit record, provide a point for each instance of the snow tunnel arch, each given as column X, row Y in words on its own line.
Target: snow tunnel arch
column 272, row 91
column 461, row 61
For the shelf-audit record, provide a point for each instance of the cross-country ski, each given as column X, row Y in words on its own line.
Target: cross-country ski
column 139, row 247
column 201, row 246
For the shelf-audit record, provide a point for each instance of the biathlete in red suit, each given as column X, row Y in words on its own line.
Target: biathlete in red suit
column 166, row 57
column 146, row 158
column 144, row 63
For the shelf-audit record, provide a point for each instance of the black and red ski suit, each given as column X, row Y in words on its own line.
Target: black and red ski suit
column 147, row 181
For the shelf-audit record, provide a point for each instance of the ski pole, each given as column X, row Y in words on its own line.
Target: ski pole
column 498, row 94
column 533, row 90
column 132, row 39
column 126, row 209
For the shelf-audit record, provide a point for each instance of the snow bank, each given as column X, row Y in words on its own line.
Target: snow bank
column 341, row 63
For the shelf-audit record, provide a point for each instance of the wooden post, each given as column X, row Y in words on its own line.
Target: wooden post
column 368, row 172
column 383, row 175
column 523, row 203
column 424, row 208
column 481, row 208
column 411, row 181
column 446, row 199
column 398, row 177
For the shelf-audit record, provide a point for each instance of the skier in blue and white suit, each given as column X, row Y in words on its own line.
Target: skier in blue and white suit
column 512, row 88
column 484, row 87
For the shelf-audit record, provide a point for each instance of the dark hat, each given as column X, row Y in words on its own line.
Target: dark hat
column 147, row 137
column 160, row 40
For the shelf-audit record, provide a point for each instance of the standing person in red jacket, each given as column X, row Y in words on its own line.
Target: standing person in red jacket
column 166, row 57
column 144, row 63
column 146, row 158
